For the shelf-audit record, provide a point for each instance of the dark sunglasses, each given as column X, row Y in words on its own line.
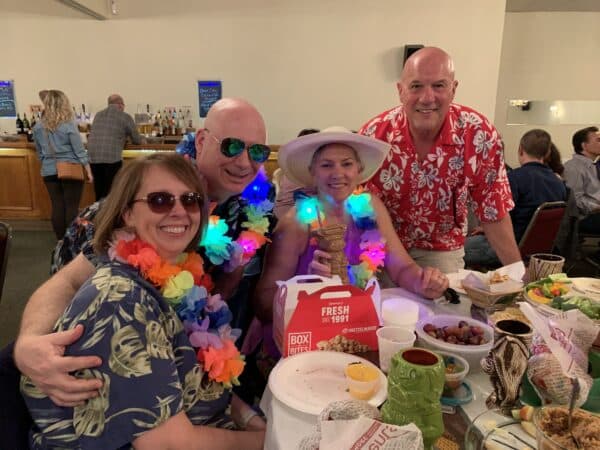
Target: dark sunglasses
column 163, row 202
column 232, row 147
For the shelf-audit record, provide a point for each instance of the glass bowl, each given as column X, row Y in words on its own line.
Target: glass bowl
column 551, row 428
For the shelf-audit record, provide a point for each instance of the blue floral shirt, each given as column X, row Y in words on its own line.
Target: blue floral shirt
column 149, row 368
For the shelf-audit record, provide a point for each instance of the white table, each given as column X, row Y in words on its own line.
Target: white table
column 286, row 427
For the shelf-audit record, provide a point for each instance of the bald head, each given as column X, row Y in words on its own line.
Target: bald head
column 116, row 99
column 433, row 57
column 426, row 88
column 229, row 118
column 233, row 113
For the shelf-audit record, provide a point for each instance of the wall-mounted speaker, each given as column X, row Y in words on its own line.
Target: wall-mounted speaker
column 409, row 49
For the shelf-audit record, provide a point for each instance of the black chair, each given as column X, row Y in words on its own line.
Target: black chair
column 581, row 238
column 542, row 229
column 5, row 240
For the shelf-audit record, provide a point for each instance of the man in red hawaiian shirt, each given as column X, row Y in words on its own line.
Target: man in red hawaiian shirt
column 443, row 154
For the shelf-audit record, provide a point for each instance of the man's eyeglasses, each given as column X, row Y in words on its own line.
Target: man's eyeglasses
column 232, row 147
column 163, row 202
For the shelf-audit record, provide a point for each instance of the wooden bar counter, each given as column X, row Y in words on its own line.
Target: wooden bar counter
column 23, row 194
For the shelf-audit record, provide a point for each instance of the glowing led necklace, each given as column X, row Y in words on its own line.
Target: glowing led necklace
column 186, row 288
column 358, row 205
column 222, row 249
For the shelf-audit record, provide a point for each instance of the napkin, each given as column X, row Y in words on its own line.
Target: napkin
column 369, row 433
column 514, row 271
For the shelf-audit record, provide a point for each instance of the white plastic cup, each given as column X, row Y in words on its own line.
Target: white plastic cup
column 391, row 340
column 397, row 312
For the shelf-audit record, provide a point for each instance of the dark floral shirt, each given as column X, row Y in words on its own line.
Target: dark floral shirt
column 149, row 368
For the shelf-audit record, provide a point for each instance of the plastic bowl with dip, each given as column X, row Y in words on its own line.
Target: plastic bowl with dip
column 363, row 380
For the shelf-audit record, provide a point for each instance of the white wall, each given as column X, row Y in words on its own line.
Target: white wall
column 548, row 56
column 312, row 63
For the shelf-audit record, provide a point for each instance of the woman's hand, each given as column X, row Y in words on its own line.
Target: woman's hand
column 88, row 170
column 432, row 283
column 320, row 264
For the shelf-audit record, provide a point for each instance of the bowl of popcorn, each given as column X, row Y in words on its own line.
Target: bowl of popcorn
column 468, row 337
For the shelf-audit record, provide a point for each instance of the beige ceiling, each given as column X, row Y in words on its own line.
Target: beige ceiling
column 552, row 5
column 158, row 8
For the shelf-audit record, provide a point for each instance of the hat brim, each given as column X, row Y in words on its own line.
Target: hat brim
column 294, row 157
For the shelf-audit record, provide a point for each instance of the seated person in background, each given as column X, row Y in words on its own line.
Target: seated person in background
column 583, row 177
column 147, row 295
column 336, row 161
column 554, row 161
column 285, row 195
column 531, row 184
column 230, row 151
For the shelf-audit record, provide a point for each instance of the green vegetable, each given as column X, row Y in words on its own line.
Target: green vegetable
column 562, row 277
column 587, row 306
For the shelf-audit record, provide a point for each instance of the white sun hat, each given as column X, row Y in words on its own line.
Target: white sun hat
column 294, row 157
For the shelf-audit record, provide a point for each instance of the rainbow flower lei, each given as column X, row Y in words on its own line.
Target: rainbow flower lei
column 358, row 205
column 222, row 249
column 186, row 288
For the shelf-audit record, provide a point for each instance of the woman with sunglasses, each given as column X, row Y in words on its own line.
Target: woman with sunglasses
column 336, row 161
column 168, row 358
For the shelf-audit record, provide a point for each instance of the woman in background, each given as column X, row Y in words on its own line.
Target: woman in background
column 57, row 138
column 553, row 160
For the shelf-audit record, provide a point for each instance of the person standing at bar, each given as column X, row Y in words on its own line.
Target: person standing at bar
column 110, row 129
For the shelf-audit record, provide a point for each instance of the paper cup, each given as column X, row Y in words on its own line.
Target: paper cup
column 543, row 264
column 397, row 312
column 391, row 340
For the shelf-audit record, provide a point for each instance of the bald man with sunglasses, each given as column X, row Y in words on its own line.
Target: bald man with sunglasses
column 229, row 152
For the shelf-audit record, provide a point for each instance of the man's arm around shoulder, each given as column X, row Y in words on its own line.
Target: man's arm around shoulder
column 40, row 355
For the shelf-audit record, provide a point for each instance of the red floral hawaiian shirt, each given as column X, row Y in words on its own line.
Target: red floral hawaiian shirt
column 428, row 199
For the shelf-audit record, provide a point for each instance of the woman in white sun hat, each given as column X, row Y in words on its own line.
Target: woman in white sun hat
column 336, row 161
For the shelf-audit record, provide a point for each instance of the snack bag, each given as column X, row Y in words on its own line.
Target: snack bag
column 559, row 353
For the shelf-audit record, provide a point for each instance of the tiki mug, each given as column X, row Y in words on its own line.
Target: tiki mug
column 331, row 239
column 415, row 384
column 506, row 363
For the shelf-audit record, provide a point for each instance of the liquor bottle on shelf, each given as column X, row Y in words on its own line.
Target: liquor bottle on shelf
column 178, row 123
column 26, row 125
column 164, row 125
column 156, row 129
column 27, row 128
column 172, row 123
column 19, row 125
column 188, row 116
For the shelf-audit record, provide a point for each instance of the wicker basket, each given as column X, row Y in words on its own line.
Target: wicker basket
column 486, row 299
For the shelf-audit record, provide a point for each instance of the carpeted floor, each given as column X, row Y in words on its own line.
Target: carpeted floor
column 28, row 267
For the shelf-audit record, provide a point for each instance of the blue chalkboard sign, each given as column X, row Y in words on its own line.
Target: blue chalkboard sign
column 209, row 92
column 7, row 99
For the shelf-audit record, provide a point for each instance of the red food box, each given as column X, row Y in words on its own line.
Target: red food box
column 325, row 316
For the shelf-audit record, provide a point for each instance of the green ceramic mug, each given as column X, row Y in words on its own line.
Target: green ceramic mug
column 415, row 385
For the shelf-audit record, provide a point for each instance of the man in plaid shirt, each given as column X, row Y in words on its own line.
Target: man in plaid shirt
column 110, row 129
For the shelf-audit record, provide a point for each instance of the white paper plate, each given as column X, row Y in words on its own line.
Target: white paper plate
column 587, row 286
column 309, row 381
column 403, row 294
column 424, row 311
